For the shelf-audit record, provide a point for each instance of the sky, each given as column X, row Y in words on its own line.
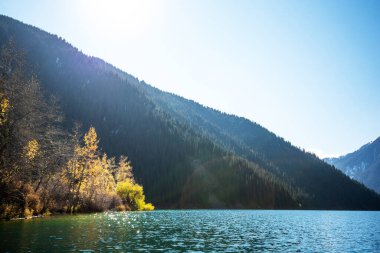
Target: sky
column 308, row 71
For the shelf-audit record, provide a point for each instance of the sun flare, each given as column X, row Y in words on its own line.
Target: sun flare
column 135, row 16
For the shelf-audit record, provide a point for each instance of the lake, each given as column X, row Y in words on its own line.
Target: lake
column 196, row 231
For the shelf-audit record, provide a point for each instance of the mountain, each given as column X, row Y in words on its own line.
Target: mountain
column 186, row 155
column 362, row 165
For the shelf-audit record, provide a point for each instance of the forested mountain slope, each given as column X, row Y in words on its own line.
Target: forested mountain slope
column 362, row 165
column 185, row 155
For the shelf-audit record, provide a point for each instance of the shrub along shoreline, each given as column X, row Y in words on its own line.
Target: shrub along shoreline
column 91, row 183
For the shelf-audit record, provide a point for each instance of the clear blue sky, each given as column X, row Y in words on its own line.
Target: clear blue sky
column 307, row 70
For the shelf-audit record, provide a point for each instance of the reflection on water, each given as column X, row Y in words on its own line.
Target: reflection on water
column 206, row 230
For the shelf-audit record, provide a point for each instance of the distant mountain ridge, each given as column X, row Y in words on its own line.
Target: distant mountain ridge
column 185, row 155
column 362, row 165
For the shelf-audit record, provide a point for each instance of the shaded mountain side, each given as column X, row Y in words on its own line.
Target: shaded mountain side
column 161, row 148
column 255, row 143
column 184, row 154
column 362, row 165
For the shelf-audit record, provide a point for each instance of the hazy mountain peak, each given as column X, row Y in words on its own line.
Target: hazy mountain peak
column 362, row 165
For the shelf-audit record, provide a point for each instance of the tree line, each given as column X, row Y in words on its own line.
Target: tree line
column 168, row 154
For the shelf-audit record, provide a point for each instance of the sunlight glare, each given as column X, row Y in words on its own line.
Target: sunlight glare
column 134, row 17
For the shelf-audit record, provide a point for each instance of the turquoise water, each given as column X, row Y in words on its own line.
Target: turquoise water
column 196, row 231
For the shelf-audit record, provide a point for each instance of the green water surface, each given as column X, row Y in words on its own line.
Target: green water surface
column 196, row 231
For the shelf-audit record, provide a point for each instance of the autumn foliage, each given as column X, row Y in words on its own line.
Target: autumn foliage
column 95, row 181
column 44, row 168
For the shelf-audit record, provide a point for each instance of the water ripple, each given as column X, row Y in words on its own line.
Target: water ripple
column 196, row 231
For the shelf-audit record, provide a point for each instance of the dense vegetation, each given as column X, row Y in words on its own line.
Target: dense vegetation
column 319, row 184
column 42, row 166
column 185, row 155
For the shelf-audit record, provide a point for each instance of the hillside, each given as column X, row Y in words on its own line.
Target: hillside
column 184, row 154
column 362, row 165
